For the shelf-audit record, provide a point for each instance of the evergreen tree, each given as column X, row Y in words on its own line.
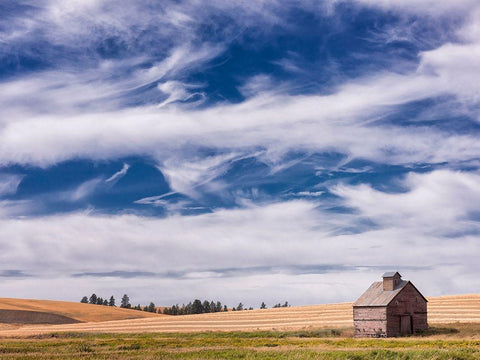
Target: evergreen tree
column 218, row 306
column 263, row 306
column 111, row 302
column 93, row 299
column 240, row 307
column 188, row 308
column 99, row 301
column 225, row 308
column 206, row 307
column 286, row 304
column 105, row 302
column 125, row 302
column 84, row 300
column 197, row 307
column 152, row 308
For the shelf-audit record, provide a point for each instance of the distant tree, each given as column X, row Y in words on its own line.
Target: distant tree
column 225, row 308
column 197, row 307
column 218, row 306
column 250, row 308
column 99, row 301
column 234, row 309
column 263, row 306
column 138, row 307
column 111, row 302
column 286, row 304
column 152, row 308
column 93, row 299
column 125, row 302
column 240, row 307
column 84, row 300
column 105, row 302
column 206, row 307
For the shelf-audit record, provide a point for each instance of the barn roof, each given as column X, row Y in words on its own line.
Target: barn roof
column 376, row 296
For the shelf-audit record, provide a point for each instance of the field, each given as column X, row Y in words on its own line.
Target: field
column 304, row 332
column 76, row 311
column 95, row 318
column 442, row 343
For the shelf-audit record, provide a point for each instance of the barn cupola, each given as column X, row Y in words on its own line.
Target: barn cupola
column 391, row 280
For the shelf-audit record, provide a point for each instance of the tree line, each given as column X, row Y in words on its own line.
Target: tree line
column 124, row 303
column 193, row 307
column 94, row 299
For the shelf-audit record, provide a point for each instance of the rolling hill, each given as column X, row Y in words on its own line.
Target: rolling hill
column 59, row 312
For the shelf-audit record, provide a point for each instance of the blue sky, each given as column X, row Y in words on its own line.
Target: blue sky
column 239, row 151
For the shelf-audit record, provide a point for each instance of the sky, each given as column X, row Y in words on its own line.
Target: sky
column 240, row 151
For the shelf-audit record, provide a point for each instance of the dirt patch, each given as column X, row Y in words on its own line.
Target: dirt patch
column 33, row 317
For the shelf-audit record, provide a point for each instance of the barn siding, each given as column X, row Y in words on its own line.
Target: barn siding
column 370, row 321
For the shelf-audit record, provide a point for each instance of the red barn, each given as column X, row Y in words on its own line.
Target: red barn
column 391, row 307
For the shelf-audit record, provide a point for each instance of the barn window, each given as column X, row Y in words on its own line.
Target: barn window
column 396, row 302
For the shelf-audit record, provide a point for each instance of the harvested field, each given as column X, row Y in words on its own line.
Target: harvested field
column 446, row 309
column 33, row 317
column 76, row 311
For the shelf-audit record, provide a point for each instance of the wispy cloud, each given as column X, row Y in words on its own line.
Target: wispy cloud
column 119, row 174
column 9, row 183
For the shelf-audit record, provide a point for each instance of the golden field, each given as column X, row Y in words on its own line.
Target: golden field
column 95, row 318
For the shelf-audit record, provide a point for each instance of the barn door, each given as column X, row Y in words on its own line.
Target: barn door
column 405, row 325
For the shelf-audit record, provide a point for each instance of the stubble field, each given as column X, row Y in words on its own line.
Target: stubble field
column 305, row 332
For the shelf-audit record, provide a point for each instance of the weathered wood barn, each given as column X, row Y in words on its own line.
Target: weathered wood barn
column 391, row 307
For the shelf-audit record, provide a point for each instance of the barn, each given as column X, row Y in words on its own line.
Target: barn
column 391, row 307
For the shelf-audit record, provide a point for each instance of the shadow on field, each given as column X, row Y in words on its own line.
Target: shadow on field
column 438, row 331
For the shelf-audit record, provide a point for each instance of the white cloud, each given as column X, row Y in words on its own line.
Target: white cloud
column 80, row 192
column 310, row 193
column 184, row 175
column 281, row 235
column 278, row 123
column 440, row 202
column 119, row 174
column 9, row 183
column 431, row 7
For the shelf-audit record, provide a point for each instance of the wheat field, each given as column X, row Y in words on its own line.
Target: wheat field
column 441, row 310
